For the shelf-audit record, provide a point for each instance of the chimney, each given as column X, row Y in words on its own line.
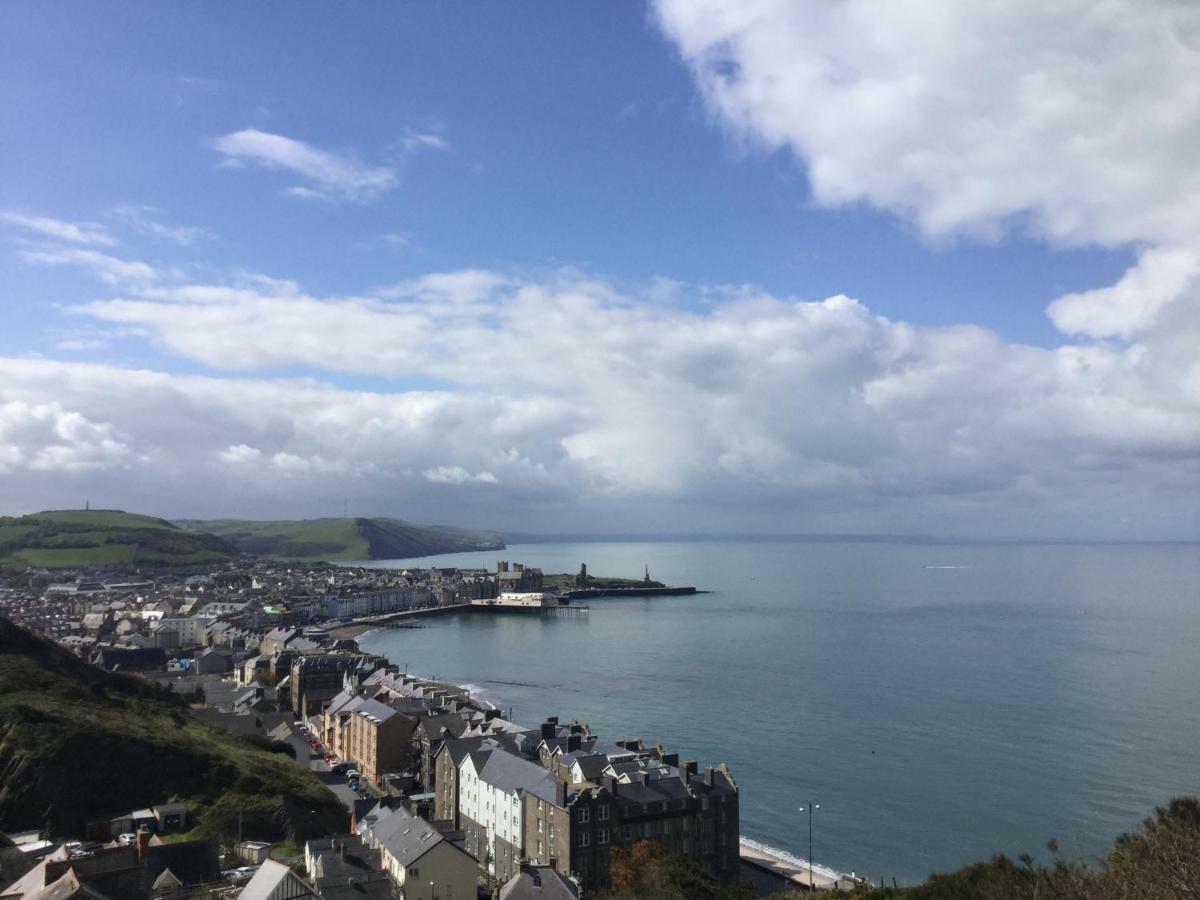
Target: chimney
column 576, row 727
column 143, row 842
column 560, row 794
column 708, row 776
column 670, row 759
column 610, row 784
column 548, row 729
column 573, row 743
column 690, row 768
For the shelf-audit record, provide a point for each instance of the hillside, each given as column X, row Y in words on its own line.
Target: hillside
column 83, row 743
column 345, row 539
column 104, row 537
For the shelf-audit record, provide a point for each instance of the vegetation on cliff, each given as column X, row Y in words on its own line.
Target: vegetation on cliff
column 345, row 539
column 78, row 743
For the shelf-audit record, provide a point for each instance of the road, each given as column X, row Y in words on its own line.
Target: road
column 336, row 783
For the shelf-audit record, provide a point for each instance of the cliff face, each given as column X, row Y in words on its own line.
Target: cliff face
column 77, row 743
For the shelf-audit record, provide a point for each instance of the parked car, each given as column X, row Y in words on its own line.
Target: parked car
column 339, row 768
column 353, row 775
column 128, row 839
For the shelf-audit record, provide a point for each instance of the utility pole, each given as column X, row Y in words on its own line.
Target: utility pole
column 811, row 807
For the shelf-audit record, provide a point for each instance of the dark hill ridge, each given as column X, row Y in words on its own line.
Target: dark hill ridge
column 345, row 538
column 85, row 743
column 77, row 538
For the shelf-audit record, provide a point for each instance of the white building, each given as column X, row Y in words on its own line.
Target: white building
column 533, row 600
column 492, row 784
column 190, row 629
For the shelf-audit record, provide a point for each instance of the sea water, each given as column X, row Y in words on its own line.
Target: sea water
column 941, row 702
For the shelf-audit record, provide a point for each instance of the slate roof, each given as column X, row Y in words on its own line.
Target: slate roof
column 511, row 773
column 376, row 710
column 406, row 837
column 539, row 883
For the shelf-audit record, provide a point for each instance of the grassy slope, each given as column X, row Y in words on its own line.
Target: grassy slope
column 307, row 540
column 90, row 743
column 344, row 539
column 99, row 537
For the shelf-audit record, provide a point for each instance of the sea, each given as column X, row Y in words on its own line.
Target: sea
column 940, row 702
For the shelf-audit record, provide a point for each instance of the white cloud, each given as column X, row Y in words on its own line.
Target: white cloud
column 107, row 268
column 240, row 454
column 142, row 219
column 423, row 140
column 1074, row 121
column 329, row 175
column 44, row 437
column 72, row 232
column 567, row 387
column 457, row 475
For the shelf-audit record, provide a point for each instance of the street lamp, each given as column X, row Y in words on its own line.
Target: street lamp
column 811, row 807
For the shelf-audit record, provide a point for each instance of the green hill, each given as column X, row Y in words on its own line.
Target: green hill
column 82, row 743
column 73, row 538
column 342, row 539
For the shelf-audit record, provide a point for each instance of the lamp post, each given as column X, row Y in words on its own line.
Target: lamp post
column 811, row 807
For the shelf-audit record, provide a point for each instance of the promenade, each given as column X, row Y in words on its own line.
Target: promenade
column 774, row 871
column 357, row 627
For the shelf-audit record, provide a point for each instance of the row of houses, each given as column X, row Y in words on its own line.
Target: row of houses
column 557, row 796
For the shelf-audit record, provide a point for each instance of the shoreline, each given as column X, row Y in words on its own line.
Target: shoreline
column 358, row 627
column 768, row 862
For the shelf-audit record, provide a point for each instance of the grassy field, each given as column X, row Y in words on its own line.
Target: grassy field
column 101, row 538
column 314, row 539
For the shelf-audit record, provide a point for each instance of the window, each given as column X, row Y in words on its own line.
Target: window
column 585, row 839
column 602, row 836
column 539, row 824
column 627, row 832
column 541, row 849
column 585, row 814
column 539, row 806
column 602, row 813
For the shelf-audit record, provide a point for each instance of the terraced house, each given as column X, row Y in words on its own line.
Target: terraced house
column 567, row 800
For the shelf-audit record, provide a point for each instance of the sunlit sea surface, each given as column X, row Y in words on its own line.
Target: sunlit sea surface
column 942, row 702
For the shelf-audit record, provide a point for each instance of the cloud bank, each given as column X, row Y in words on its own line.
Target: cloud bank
column 565, row 401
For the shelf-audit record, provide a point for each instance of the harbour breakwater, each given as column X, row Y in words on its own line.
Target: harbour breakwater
column 586, row 593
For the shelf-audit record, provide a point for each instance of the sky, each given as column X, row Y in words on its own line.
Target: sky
column 691, row 267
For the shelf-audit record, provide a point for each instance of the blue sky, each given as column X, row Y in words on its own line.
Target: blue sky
column 547, row 144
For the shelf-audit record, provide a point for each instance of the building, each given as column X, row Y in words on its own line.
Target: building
column 379, row 739
column 422, row 863
column 518, row 579
column 345, row 868
column 275, row 881
column 318, row 678
column 539, row 883
column 492, row 785
column 518, row 600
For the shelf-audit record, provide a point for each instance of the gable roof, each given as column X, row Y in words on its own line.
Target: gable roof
column 269, row 877
column 406, row 837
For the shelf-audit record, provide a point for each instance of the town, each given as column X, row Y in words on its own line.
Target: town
column 444, row 796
